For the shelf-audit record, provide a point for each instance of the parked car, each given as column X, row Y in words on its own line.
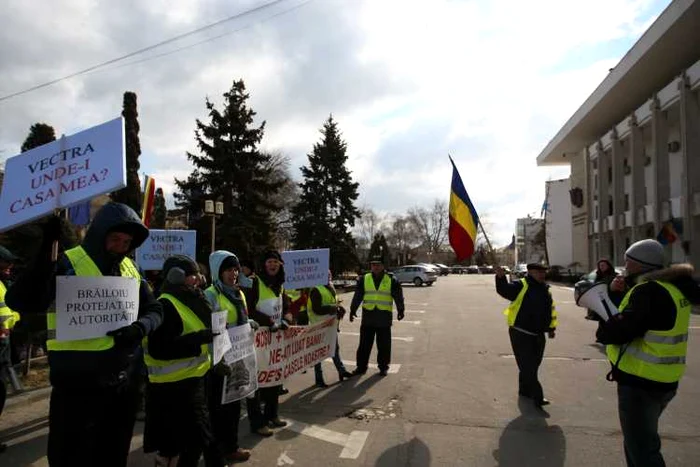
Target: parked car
column 473, row 269
column 416, row 274
column 444, row 270
column 520, row 270
column 486, row 269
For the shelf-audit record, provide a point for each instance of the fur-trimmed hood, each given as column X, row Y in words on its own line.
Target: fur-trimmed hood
column 680, row 275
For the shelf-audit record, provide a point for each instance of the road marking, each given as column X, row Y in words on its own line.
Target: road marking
column 352, row 444
column 393, row 368
column 566, row 301
column 415, row 311
column 584, row 359
column 410, row 322
column 393, row 338
column 416, row 304
column 565, row 288
column 284, row 459
column 694, row 327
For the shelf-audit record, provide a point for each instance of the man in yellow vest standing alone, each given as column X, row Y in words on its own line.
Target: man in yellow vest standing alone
column 94, row 397
column 530, row 315
column 646, row 345
column 376, row 291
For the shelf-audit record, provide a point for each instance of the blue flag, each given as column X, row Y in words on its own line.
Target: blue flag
column 80, row 213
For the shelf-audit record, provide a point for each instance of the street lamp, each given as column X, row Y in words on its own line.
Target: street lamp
column 213, row 209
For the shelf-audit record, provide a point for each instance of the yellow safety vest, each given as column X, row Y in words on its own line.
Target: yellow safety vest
column 226, row 305
column 170, row 371
column 83, row 265
column 269, row 304
column 377, row 298
column 658, row 355
column 514, row 308
column 8, row 317
column 327, row 299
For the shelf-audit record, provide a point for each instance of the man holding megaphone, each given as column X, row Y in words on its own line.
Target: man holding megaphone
column 646, row 344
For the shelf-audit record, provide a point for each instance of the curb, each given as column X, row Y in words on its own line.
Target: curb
column 28, row 397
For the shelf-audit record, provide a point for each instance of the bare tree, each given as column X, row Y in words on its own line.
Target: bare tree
column 431, row 225
column 287, row 197
column 369, row 224
column 401, row 237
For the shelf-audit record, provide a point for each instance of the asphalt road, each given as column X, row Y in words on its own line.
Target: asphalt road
column 451, row 398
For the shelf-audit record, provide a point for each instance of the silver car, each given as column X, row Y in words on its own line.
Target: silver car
column 415, row 274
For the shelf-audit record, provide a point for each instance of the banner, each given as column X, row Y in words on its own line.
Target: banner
column 283, row 354
column 62, row 173
column 88, row 307
column 305, row 268
column 162, row 244
column 241, row 359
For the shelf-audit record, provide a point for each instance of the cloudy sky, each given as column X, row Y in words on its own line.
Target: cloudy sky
column 409, row 81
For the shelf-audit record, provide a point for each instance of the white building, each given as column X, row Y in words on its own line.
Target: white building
column 529, row 240
column 634, row 145
column 557, row 220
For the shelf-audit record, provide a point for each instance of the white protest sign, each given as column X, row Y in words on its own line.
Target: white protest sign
column 162, row 244
column 221, row 342
column 305, row 268
column 241, row 339
column 67, row 171
column 241, row 358
column 89, row 307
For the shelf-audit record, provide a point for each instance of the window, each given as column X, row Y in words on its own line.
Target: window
column 609, row 174
column 627, row 202
column 595, row 164
column 610, row 206
column 595, row 182
column 596, row 213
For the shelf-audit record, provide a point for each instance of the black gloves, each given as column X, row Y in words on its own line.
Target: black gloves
column 353, row 315
column 253, row 324
column 221, row 369
column 400, row 315
column 205, row 336
column 128, row 337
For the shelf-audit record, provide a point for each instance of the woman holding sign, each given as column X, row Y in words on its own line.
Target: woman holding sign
column 225, row 295
column 178, row 359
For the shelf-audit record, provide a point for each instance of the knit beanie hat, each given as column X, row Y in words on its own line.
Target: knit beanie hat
column 177, row 268
column 272, row 254
column 649, row 253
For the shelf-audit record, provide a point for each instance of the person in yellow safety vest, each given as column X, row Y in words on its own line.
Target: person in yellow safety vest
column 376, row 291
column 647, row 345
column 178, row 359
column 323, row 304
column 530, row 315
column 94, row 397
column 268, row 307
column 225, row 295
column 8, row 319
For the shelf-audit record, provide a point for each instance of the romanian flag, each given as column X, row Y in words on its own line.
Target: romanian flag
column 463, row 218
column 670, row 232
column 149, row 194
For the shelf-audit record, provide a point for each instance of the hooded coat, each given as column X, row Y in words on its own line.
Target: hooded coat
column 650, row 307
column 216, row 259
column 35, row 291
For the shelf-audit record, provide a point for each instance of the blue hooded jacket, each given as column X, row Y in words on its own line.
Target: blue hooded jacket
column 216, row 259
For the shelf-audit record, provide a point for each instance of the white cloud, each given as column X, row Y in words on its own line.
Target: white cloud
column 408, row 81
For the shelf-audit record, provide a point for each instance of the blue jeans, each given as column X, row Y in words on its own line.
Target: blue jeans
column 318, row 369
column 640, row 410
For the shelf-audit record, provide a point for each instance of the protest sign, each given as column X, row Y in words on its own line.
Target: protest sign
column 282, row 354
column 62, row 173
column 221, row 342
column 162, row 244
column 241, row 358
column 305, row 268
column 89, row 307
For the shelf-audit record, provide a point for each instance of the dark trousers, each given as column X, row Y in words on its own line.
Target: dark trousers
column 528, row 351
column 270, row 398
column 89, row 427
column 367, row 334
column 224, row 417
column 639, row 411
column 318, row 369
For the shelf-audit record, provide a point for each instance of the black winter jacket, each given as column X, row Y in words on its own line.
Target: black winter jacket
column 374, row 317
column 535, row 313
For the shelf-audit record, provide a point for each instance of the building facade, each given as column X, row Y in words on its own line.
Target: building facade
column 530, row 241
column 557, row 222
column 634, row 146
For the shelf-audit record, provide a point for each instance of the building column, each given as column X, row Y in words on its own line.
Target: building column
column 618, row 194
column 603, row 194
column 659, row 162
column 590, row 208
column 690, row 153
column 638, row 192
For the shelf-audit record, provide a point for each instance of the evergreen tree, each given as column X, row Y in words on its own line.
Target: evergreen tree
column 326, row 210
column 39, row 134
column 380, row 247
column 160, row 211
column 131, row 194
column 229, row 168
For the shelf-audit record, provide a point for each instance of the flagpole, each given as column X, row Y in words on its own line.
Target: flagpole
column 488, row 242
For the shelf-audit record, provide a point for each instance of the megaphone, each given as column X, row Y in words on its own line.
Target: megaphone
column 596, row 298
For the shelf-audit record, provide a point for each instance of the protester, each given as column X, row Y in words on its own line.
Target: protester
column 268, row 308
column 647, row 345
column 8, row 319
column 247, row 273
column 530, row 315
column 94, row 397
column 376, row 291
column 605, row 272
column 323, row 304
column 225, row 295
column 178, row 359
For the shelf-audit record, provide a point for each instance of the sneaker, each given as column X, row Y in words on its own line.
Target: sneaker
column 345, row 375
column 359, row 372
column 240, row 455
column 264, row 431
column 383, row 372
column 322, row 384
column 284, row 391
column 542, row 403
column 277, row 423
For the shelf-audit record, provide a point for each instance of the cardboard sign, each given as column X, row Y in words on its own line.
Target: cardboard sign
column 221, row 342
column 283, row 354
column 62, row 173
column 89, row 307
column 242, row 380
column 305, row 268
column 162, row 244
